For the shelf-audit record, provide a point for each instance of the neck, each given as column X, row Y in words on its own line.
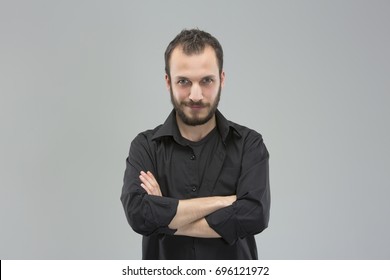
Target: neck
column 195, row 133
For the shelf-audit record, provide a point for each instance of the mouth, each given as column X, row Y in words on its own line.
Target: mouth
column 196, row 107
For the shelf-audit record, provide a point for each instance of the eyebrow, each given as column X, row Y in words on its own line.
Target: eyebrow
column 186, row 78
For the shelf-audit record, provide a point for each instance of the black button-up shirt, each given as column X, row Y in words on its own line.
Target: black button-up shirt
column 238, row 165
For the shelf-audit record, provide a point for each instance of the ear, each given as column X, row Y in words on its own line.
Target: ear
column 167, row 82
column 222, row 79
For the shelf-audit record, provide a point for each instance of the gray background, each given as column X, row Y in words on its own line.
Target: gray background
column 79, row 79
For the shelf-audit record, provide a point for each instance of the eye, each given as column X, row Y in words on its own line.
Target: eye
column 183, row 82
column 207, row 81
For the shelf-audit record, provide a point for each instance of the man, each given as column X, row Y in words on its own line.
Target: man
column 197, row 186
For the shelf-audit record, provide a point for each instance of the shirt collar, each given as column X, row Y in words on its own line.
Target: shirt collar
column 170, row 128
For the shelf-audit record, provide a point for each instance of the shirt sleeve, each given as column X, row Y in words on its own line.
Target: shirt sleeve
column 249, row 215
column 146, row 214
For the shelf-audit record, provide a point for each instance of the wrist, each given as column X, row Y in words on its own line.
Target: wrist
column 227, row 200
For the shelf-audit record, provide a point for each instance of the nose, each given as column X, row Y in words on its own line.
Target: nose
column 196, row 93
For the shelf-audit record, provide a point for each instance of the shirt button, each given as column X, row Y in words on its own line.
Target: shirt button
column 194, row 188
column 193, row 157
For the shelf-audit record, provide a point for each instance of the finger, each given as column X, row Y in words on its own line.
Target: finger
column 150, row 183
column 154, row 182
column 143, row 179
column 151, row 175
column 148, row 179
column 146, row 184
column 146, row 188
column 150, row 188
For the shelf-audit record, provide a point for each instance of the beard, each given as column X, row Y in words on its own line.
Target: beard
column 194, row 120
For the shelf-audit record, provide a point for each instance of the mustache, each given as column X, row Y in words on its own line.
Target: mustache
column 192, row 103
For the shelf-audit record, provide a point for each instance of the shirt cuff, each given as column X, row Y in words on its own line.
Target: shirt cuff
column 224, row 222
column 161, row 211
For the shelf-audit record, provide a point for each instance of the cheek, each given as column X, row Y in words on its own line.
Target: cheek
column 210, row 92
column 180, row 92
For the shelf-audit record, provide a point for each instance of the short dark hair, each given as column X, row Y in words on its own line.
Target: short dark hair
column 193, row 41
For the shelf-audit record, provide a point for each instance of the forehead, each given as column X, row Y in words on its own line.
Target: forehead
column 204, row 63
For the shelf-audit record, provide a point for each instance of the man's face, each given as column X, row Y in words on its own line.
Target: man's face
column 195, row 85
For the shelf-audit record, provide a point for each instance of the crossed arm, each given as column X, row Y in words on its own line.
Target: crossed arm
column 190, row 215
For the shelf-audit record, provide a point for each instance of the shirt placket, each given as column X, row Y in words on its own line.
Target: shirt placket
column 193, row 180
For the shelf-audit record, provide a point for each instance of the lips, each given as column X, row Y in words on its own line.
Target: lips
column 196, row 106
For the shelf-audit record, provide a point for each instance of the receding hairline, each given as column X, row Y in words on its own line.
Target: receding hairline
column 193, row 42
column 180, row 48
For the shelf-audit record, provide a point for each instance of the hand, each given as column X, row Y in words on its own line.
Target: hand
column 149, row 183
